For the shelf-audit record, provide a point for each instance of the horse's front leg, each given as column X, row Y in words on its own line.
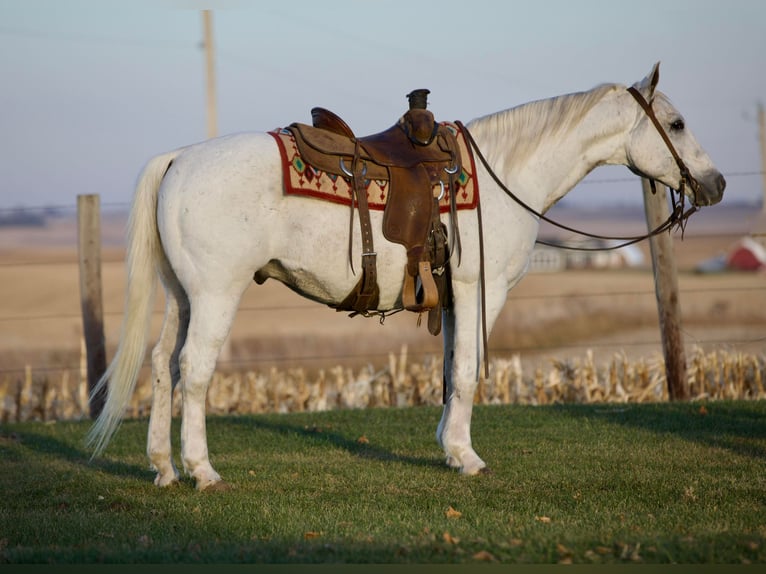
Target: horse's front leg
column 454, row 431
column 463, row 354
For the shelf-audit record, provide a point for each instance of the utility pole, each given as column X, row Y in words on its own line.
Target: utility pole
column 225, row 354
column 212, row 115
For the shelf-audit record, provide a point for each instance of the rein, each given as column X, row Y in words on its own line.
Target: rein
column 677, row 217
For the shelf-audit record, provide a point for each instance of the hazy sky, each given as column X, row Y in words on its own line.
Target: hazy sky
column 92, row 89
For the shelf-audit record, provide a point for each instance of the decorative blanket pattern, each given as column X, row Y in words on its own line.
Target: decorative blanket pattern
column 301, row 178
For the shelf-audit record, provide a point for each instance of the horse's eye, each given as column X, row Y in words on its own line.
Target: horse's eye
column 677, row 125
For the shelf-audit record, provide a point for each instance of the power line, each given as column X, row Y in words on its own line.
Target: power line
column 91, row 39
column 747, row 173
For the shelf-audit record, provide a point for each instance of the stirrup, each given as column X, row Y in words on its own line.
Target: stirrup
column 430, row 295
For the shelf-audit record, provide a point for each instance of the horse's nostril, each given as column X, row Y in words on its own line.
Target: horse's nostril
column 721, row 183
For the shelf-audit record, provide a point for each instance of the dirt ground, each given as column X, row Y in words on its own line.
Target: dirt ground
column 547, row 316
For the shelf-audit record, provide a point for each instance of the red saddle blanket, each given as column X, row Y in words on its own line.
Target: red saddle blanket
column 301, row 178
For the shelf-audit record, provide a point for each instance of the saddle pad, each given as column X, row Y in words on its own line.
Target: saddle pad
column 301, row 178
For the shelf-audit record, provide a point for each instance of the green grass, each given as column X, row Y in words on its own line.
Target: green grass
column 598, row 483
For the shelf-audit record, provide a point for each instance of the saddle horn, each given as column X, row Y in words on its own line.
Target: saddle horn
column 418, row 123
column 418, row 99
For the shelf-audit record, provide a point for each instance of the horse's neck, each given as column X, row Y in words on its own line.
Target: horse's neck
column 545, row 148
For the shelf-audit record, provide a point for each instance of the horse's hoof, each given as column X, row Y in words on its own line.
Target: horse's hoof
column 218, row 486
column 483, row 471
column 161, row 482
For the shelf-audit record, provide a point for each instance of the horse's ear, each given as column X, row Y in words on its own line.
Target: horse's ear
column 649, row 83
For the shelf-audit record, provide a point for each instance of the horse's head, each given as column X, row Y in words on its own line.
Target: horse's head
column 663, row 148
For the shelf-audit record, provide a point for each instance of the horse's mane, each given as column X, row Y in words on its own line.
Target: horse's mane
column 529, row 122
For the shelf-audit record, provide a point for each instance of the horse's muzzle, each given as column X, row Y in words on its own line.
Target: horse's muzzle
column 709, row 190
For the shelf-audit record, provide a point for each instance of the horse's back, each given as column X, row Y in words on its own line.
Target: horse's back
column 236, row 154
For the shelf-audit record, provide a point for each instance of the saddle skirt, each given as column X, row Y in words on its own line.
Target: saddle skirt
column 302, row 178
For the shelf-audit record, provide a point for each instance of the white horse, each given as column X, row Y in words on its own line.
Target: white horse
column 209, row 217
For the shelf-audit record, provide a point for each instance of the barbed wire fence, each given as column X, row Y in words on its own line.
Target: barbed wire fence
column 39, row 391
column 7, row 322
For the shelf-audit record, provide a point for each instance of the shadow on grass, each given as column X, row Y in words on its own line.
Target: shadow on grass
column 60, row 449
column 324, row 435
column 739, row 427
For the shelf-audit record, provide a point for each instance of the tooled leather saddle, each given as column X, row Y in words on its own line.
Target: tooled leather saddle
column 420, row 159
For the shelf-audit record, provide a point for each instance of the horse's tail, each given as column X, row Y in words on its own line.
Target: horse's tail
column 144, row 255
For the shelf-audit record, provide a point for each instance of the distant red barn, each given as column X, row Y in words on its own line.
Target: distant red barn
column 746, row 255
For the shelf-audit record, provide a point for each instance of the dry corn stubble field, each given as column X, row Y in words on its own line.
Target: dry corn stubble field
column 550, row 319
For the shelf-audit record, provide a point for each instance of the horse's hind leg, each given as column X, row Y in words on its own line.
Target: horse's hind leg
column 165, row 375
column 211, row 317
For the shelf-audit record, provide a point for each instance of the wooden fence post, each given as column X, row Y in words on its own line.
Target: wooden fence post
column 666, row 290
column 89, row 249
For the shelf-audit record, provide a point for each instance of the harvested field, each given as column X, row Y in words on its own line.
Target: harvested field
column 552, row 322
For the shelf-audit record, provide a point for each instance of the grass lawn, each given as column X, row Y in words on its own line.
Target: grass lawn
column 649, row 483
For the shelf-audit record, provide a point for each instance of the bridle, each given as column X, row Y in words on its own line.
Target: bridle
column 678, row 215
column 686, row 177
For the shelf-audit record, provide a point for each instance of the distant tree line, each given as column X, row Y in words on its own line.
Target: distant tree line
column 27, row 217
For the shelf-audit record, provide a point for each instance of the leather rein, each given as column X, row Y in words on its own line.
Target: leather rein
column 677, row 217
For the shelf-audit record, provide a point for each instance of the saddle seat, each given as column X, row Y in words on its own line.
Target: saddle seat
column 420, row 159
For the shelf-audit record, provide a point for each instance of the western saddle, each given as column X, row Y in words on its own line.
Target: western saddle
column 420, row 159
